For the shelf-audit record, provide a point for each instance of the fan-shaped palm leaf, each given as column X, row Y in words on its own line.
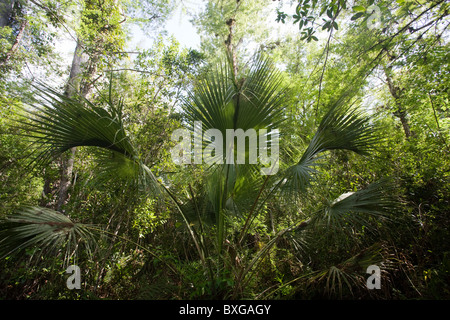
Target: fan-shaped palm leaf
column 47, row 229
column 342, row 128
column 257, row 102
column 58, row 123
column 357, row 207
column 348, row 275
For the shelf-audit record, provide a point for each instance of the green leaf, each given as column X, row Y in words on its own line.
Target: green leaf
column 359, row 9
column 261, row 98
column 330, row 13
column 357, row 16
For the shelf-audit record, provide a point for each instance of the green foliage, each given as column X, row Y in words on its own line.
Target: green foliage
column 352, row 190
column 100, row 28
column 18, row 185
column 147, row 220
column 36, row 44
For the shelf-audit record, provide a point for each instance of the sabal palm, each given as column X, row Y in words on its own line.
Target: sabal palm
column 257, row 99
column 221, row 100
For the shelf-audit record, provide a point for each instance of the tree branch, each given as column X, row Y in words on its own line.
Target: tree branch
column 15, row 44
column 136, row 70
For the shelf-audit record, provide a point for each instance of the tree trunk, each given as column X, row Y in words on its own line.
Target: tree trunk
column 67, row 160
column 231, row 49
column 15, row 45
column 80, row 83
column 400, row 112
column 66, row 165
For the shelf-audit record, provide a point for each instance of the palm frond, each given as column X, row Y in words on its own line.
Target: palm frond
column 263, row 96
column 49, row 230
column 57, row 123
column 357, row 207
column 211, row 100
column 114, row 166
column 257, row 103
column 342, row 128
column 349, row 275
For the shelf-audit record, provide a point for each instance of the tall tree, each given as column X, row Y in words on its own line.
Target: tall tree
column 99, row 34
column 101, row 38
column 236, row 26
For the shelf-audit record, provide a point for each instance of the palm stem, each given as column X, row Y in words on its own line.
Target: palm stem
column 247, row 221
